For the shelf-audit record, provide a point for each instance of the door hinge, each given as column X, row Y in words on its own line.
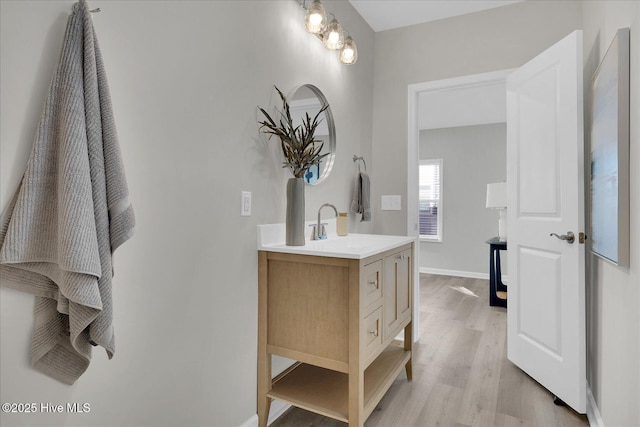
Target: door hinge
column 582, row 237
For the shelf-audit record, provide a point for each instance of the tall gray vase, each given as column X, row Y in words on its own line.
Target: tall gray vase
column 295, row 212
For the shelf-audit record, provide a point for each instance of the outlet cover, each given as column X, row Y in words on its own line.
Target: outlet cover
column 391, row 202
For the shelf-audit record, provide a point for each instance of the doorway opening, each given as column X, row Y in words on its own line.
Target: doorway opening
column 451, row 103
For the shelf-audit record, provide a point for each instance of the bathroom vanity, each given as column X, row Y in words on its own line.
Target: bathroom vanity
column 336, row 307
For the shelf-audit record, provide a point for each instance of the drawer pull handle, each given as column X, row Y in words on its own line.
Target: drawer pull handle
column 374, row 333
column 403, row 256
column 373, row 283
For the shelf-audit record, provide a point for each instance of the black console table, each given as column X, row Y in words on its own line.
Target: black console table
column 497, row 289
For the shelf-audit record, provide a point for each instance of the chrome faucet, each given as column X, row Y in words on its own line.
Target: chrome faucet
column 319, row 232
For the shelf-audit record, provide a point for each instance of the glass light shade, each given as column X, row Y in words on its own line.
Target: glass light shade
column 333, row 36
column 349, row 52
column 315, row 19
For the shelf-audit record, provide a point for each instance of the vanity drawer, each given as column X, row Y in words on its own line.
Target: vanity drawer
column 371, row 332
column 371, row 283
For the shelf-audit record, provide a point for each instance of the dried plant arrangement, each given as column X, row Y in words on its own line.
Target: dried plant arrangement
column 298, row 143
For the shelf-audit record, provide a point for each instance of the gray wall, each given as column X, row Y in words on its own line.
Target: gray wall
column 473, row 156
column 613, row 293
column 185, row 78
column 496, row 39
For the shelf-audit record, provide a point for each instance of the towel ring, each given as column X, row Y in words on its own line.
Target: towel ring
column 355, row 160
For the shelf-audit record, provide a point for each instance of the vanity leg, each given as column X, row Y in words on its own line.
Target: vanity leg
column 356, row 399
column 356, row 374
column 408, row 346
column 264, row 405
column 264, row 358
column 264, row 385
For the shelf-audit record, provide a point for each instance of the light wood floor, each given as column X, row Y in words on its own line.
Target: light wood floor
column 461, row 375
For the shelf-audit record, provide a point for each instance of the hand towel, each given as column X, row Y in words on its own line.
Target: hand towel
column 361, row 201
column 70, row 212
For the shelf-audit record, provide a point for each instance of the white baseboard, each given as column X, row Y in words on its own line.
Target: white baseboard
column 593, row 413
column 277, row 408
column 251, row 422
column 457, row 273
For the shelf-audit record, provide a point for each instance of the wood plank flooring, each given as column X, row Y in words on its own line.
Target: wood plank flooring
column 461, row 375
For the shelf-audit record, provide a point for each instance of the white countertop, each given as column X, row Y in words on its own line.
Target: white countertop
column 354, row 246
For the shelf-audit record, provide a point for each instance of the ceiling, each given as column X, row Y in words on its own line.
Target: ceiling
column 388, row 14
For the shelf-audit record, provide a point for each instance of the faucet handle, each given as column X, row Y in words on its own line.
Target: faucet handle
column 314, row 232
column 322, row 234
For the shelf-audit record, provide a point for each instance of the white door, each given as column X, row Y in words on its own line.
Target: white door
column 545, row 181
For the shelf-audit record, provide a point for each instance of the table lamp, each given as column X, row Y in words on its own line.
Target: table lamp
column 497, row 199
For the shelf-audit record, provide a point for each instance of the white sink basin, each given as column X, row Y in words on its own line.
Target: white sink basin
column 355, row 246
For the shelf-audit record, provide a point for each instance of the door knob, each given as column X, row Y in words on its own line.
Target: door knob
column 569, row 237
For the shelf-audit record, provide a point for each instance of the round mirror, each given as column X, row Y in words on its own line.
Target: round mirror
column 308, row 99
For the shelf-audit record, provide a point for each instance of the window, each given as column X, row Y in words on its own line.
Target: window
column 430, row 204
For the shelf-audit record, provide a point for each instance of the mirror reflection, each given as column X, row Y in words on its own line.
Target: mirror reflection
column 308, row 99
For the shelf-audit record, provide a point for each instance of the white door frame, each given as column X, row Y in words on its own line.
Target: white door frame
column 413, row 160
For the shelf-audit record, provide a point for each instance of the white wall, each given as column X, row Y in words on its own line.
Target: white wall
column 473, row 156
column 613, row 293
column 185, row 77
column 496, row 39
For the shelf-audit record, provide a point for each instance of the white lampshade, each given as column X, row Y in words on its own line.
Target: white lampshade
column 497, row 195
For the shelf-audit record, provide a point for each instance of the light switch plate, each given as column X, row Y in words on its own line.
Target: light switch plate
column 245, row 207
column 391, row 202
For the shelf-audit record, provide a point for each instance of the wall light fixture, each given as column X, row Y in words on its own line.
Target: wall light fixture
column 332, row 34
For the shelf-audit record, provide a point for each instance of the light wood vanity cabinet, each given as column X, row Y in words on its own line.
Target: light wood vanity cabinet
column 397, row 292
column 338, row 317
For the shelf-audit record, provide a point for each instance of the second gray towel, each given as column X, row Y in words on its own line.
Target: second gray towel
column 361, row 201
